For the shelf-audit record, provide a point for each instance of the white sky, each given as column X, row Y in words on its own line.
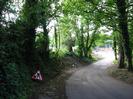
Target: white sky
column 16, row 6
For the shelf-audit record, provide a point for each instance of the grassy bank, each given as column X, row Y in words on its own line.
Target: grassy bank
column 121, row 74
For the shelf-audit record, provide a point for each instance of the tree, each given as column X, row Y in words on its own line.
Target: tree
column 47, row 10
column 29, row 21
column 123, row 25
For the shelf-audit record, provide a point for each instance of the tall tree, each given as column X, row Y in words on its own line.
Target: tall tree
column 47, row 10
column 29, row 18
column 121, row 62
column 123, row 25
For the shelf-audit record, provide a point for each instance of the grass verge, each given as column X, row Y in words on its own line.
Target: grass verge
column 121, row 74
column 55, row 88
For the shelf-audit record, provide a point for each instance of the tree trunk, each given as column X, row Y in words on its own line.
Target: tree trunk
column 29, row 25
column 87, row 43
column 29, row 46
column 2, row 6
column 123, row 25
column 82, row 42
column 46, row 43
column 59, row 41
column 115, row 47
column 121, row 57
column 82, row 46
column 92, row 39
column 56, row 38
column 70, row 49
column 80, row 52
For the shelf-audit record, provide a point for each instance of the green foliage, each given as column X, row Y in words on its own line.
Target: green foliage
column 76, row 33
column 13, row 73
column 103, row 39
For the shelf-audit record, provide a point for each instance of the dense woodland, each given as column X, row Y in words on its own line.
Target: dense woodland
column 41, row 32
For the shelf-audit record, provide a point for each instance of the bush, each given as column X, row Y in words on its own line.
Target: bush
column 14, row 76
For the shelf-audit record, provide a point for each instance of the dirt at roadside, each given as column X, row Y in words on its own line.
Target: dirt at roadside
column 121, row 74
column 55, row 88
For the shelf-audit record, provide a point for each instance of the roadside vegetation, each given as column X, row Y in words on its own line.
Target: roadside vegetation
column 43, row 32
column 121, row 74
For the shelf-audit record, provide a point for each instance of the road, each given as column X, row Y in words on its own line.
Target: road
column 93, row 82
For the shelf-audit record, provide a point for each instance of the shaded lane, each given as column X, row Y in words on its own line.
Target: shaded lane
column 92, row 82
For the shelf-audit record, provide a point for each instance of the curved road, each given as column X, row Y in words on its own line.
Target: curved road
column 92, row 82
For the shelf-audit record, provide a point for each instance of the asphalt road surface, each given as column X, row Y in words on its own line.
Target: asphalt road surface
column 92, row 82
